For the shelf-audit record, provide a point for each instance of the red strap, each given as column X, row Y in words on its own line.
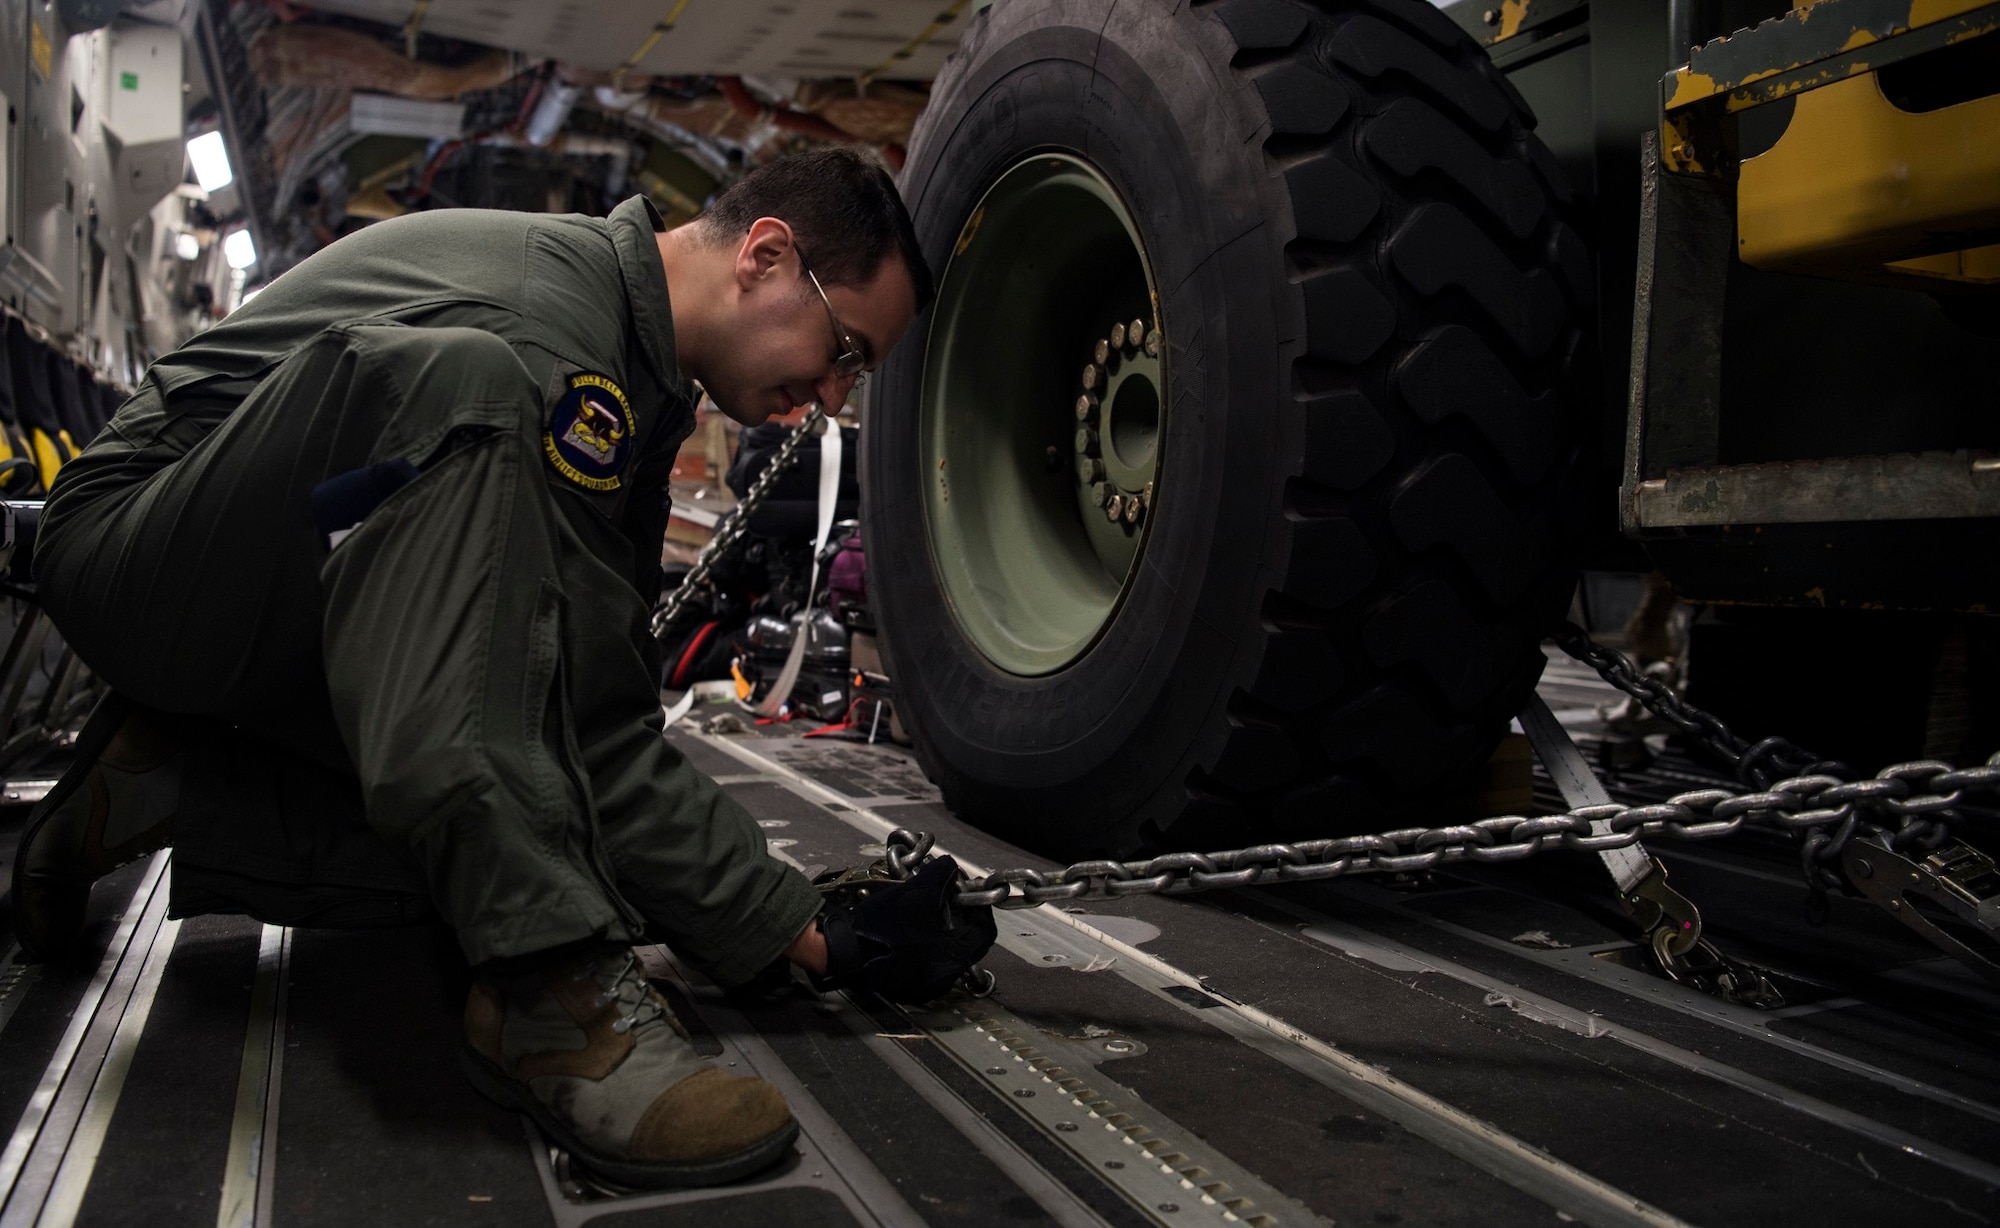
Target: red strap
column 688, row 655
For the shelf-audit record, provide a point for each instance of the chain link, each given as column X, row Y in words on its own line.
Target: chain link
column 1907, row 805
column 735, row 524
column 1817, row 800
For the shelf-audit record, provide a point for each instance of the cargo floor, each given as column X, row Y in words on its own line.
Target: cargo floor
column 1477, row 1046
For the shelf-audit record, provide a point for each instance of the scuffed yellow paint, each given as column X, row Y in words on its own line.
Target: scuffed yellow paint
column 1986, row 27
column 1856, row 182
column 1690, row 86
column 1512, row 14
column 1924, row 12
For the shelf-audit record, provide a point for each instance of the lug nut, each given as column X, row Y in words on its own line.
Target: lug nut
column 1117, row 337
column 1100, row 494
column 1133, row 331
column 1086, row 441
column 1102, row 354
column 1132, row 509
column 1090, row 469
column 1093, row 376
column 1086, row 408
column 1146, row 495
column 1114, row 508
column 1153, row 344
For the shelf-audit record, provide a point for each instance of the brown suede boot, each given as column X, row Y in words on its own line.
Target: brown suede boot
column 115, row 804
column 593, row 1053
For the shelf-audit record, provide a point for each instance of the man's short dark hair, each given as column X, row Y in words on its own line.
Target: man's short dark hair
column 843, row 209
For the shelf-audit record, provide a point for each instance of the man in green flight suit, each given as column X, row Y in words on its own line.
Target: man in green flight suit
column 368, row 567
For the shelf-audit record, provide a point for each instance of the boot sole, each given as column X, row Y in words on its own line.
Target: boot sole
column 104, row 722
column 489, row 1081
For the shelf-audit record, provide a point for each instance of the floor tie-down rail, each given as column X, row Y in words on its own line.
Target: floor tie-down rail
column 1350, row 1050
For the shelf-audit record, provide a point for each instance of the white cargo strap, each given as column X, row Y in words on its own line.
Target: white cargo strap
column 700, row 692
column 829, row 497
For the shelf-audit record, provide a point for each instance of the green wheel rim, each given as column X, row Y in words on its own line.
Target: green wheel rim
column 1042, row 421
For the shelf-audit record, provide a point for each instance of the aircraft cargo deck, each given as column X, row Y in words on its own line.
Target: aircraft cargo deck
column 1476, row 1045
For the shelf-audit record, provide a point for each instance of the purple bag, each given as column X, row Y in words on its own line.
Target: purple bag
column 847, row 576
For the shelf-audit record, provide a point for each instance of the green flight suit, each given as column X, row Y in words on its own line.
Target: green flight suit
column 456, row 701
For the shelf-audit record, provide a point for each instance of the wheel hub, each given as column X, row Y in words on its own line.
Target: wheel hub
column 1118, row 424
column 1040, row 483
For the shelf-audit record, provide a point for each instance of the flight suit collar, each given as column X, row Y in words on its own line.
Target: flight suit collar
column 633, row 225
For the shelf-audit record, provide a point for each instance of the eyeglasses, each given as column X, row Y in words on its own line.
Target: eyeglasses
column 850, row 360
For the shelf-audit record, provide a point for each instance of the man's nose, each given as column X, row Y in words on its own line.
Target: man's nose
column 833, row 390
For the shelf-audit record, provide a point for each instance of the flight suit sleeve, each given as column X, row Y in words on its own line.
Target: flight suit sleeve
column 686, row 855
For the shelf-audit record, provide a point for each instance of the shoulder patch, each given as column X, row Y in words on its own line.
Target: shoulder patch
column 590, row 430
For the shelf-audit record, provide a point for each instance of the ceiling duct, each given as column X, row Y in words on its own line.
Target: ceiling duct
column 326, row 57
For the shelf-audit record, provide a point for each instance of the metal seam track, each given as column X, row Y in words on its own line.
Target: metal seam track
column 1161, row 1166
column 250, row 1171
column 1527, row 1168
column 1577, row 963
column 86, row 1144
column 34, row 1156
column 1329, row 932
column 1056, row 1199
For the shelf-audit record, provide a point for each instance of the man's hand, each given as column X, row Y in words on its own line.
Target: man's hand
column 904, row 940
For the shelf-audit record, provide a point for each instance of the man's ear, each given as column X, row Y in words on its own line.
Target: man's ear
column 766, row 246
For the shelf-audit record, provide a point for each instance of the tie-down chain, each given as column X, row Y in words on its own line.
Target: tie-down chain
column 1887, row 838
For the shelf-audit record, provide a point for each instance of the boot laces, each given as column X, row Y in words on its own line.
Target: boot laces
column 629, row 989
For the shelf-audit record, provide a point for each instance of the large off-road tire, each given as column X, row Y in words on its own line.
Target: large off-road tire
column 1355, row 451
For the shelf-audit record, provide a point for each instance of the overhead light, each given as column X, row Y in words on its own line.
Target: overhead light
column 382, row 115
column 211, row 162
column 239, row 249
column 186, row 246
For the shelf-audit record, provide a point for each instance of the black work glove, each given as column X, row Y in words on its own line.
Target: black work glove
column 904, row 940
